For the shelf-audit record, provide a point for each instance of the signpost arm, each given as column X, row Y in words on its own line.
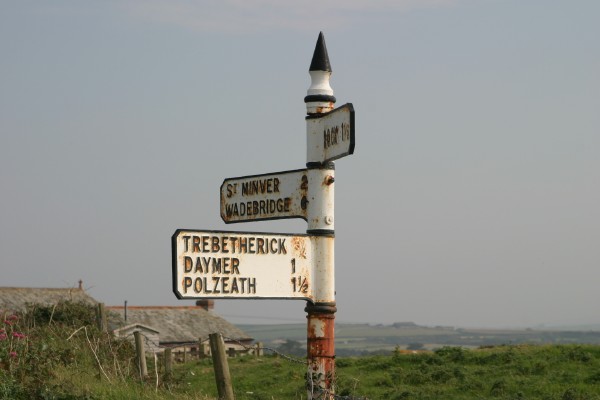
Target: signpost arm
column 320, row 218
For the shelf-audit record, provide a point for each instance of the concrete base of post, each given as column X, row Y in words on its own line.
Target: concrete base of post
column 321, row 350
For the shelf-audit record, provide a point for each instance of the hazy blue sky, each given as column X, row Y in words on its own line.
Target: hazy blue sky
column 472, row 199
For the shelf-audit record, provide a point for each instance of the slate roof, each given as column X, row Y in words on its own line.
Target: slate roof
column 181, row 324
column 16, row 298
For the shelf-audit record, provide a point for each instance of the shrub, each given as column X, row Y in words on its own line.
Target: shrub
column 37, row 343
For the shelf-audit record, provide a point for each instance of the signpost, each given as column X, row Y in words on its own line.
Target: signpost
column 235, row 265
column 244, row 265
column 330, row 136
column 263, row 197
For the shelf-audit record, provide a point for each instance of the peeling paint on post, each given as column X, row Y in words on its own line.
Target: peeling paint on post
column 321, row 314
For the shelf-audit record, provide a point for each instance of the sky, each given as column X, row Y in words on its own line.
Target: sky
column 471, row 200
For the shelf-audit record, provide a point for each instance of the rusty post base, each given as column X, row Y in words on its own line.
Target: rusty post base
column 320, row 350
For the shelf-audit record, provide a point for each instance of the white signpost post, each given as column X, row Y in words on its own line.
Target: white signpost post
column 244, row 265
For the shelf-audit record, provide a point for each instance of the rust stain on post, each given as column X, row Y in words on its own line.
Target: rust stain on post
column 321, row 350
column 321, row 335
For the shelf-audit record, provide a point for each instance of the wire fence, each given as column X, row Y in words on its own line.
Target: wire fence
column 257, row 347
column 311, row 381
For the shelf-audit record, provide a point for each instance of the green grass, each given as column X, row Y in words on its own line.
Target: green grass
column 563, row 372
column 58, row 353
column 506, row 372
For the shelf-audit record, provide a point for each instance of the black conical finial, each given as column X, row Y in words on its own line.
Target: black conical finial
column 319, row 96
column 320, row 59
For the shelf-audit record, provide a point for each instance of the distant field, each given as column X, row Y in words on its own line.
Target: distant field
column 356, row 339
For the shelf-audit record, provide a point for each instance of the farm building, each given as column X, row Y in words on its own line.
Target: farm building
column 184, row 327
column 16, row 299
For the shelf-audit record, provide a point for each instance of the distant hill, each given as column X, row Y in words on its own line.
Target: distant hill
column 358, row 339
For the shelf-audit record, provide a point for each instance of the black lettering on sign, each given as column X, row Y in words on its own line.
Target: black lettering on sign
column 215, row 245
column 187, row 264
column 198, row 285
column 216, row 280
column 235, row 263
column 231, row 189
column 187, row 282
column 260, row 186
column 259, row 207
column 215, row 265
column 226, row 265
column 224, row 241
column 252, row 285
column 225, row 285
column 185, row 241
column 243, row 245
column 331, row 136
column 262, row 207
column 300, row 284
column 230, row 244
column 304, row 184
column 282, row 246
column 205, row 261
column 260, row 242
column 220, row 285
column 345, row 132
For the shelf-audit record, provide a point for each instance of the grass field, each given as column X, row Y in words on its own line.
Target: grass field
column 563, row 372
column 56, row 353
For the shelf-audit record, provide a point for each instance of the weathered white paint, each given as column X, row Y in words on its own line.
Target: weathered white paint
column 321, row 199
column 219, row 264
column 262, row 197
column 321, row 218
column 330, row 136
column 317, row 326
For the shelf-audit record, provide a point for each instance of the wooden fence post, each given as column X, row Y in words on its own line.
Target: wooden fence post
column 222, row 377
column 259, row 349
column 101, row 318
column 141, row 354
column 168, row 363
column 231, row 352
column 203, row 351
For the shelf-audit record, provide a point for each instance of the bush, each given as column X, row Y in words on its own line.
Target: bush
column 64, row 313
column 36, row 344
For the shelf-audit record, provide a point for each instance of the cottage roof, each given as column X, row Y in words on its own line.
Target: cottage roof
column 16, row 298
column 181, row 324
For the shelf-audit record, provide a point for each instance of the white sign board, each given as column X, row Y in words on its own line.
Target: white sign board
column 330, row 136
column 262, row 197
column 234, row 265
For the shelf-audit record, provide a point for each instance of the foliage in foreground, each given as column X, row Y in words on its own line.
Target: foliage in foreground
column 550, row 372
column 57, row 353
column 566, row 372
